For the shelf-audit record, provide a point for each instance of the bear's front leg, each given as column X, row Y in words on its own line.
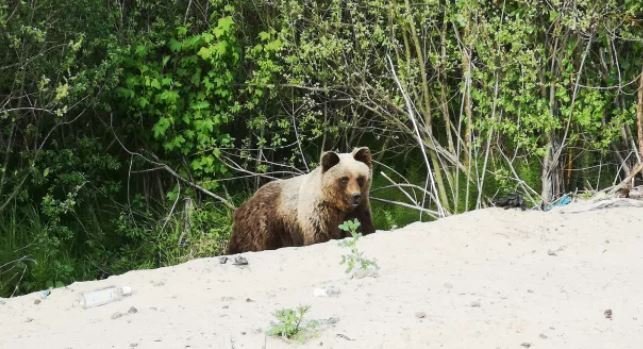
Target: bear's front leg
column 313, row 232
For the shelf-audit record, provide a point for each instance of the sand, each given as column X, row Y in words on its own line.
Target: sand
column 568, row 278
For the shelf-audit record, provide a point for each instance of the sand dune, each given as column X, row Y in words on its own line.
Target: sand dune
column 491, row 278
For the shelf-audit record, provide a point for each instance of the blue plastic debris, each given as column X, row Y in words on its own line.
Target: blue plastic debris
column 561, row 201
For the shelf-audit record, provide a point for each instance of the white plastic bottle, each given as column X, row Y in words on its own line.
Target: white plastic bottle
column 103, row 296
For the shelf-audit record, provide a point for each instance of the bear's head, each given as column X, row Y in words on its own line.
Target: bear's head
column 346, row 178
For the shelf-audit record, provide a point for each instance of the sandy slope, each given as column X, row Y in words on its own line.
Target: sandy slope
column 487, row 279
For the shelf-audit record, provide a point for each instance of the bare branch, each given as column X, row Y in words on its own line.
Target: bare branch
column 169, row 170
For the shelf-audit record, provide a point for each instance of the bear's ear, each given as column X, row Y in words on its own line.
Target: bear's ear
column 328, row 160
column 363, row 154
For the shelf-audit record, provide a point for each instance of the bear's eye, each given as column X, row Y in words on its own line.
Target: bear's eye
column 344, row 180
column 360, row 181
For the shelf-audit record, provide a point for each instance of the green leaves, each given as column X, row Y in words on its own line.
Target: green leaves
column 184, row 85
column 350, row 226
column 356, row 264
column 200, row 105
column 225, row 26
column 290, row 323
column 174, row 45
column 160, row 128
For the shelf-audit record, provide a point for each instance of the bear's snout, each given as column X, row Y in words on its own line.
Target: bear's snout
column 356, row 199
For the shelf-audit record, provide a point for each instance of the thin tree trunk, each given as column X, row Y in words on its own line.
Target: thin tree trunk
column 639, row 114
column 546, row 191
column 444, row 98
column 425, row 107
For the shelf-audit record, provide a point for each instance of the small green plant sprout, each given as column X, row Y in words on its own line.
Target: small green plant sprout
column 390, row 221
column 290, row 324
column 356, row 264
column 587, row 194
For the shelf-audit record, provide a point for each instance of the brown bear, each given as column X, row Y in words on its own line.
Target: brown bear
column 307, row 209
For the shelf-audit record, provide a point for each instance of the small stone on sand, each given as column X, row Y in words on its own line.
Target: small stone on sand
column 240, row 260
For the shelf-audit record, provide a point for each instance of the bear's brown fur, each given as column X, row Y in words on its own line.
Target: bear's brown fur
column 307, row 209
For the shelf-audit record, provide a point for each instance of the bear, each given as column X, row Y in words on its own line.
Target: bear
column 307, row 209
